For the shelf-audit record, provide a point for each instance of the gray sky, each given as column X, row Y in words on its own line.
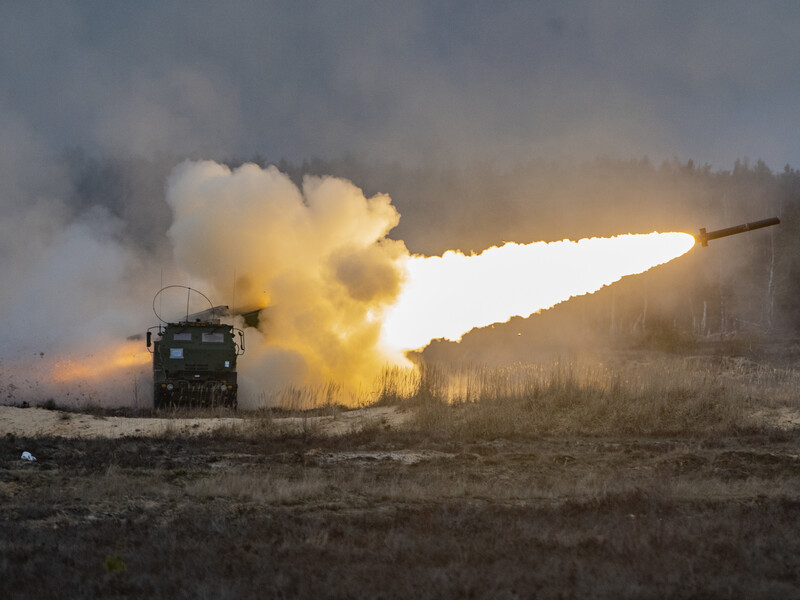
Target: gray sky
column 412, row 81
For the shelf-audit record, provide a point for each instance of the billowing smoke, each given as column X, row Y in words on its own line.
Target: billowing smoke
column 72, row 292
column 316, row 259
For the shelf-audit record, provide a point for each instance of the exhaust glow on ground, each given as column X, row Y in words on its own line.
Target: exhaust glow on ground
column 106, row 363
column 447, row 296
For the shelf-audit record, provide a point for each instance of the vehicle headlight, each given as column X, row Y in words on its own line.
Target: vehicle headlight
column 223, row 387
column 170, row 387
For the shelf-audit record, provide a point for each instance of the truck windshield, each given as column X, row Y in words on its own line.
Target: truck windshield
column 215, row 338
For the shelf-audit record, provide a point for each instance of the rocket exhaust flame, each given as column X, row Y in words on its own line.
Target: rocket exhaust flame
column 446, row 296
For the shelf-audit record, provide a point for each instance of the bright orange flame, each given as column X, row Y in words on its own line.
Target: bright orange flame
column 446, row 296
column 104, row 363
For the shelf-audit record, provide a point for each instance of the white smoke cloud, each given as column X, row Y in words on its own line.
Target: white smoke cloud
column 317, row 259
column 65, row 273
column 71, row 288
column 72, row 293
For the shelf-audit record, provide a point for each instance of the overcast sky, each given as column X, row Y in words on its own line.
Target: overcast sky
column 412, row 81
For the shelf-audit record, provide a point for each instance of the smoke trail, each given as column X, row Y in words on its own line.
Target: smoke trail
column 72, row 293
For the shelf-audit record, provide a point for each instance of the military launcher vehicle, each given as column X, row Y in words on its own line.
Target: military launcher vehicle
column 194, row 359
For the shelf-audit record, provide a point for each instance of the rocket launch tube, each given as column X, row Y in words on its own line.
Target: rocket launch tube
column 704, row 237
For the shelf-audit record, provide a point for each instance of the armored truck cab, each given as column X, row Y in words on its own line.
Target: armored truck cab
column 194, row 363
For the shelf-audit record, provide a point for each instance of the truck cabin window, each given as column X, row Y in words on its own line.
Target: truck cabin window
column 215, row 338
column 182, row 337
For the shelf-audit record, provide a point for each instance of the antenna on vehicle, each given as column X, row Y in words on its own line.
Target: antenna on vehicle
column 160, row 300
column 188, row 295
column 233, row 300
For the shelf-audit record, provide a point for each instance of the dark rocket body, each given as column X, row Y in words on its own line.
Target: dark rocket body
column 706, row 236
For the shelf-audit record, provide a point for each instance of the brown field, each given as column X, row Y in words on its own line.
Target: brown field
column 648, row 478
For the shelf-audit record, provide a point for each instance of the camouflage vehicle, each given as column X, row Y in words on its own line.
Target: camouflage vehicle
column 194, row 361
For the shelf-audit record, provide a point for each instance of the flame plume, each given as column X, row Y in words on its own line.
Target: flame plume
column 446, row 296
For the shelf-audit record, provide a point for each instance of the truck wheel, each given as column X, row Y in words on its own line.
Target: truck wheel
column 158, row 398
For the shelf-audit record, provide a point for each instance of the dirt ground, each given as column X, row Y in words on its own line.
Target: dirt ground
column 40, row 422
column 116, row 507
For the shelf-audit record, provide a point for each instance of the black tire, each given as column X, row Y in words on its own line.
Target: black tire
column 159, row 397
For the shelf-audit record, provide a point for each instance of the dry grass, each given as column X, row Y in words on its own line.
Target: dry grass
column 652, row 394
column 669, row 396
column 352, row 485
column 577, row 517
column 263, row 488
column 644, row 479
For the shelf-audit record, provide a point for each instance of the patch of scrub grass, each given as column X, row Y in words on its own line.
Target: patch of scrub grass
column 664, row 398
